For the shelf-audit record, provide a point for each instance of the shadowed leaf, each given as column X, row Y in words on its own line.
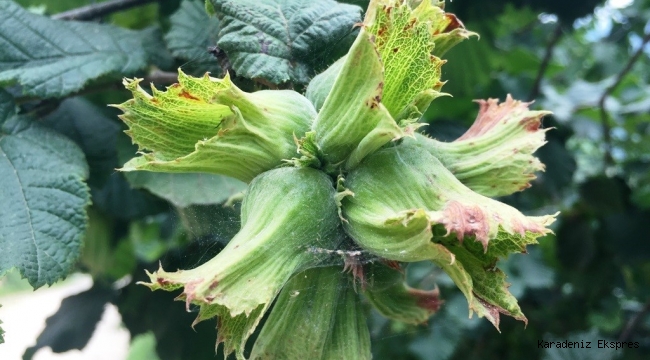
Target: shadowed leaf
column 42, row 198
column 52, row 58
column 281, row 41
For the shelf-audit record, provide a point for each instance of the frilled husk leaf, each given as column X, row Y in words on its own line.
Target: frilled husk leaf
column 408, row 207
column 288, row 215
column 209, row 125
column 411, row 63
column 387, row 291
column 319, row 316
column 353, row 122
column 410, row 37
column 388, row 78
column 495, row 156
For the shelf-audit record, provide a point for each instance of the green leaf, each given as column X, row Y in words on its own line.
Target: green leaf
column 54, row 7
column 187, row 189
column 143, row 347
column 321, row 308
column 102, row 256
column 156, row 49
column 388, row 292
column 487, row 292
column 52, row 58
column 282, row 41
column 118, row 199
column 94, row 132
column 42, row 198
column 148, row 240
column 136, row 17
column 96, row 255
column 192, row 32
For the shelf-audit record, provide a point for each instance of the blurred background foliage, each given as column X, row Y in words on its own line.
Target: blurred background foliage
column 587, row 61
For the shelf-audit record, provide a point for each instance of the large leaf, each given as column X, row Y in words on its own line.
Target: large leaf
column 42, row 198
column 118, row 199
column 143, row 347
column 156, row 49
column 281, row 41
column 187, row 189
column 192, row 32
column 52, row 58
column 94, row 132
column 104, row 257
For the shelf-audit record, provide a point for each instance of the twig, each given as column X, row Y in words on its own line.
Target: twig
column 94, row 11
column 548, row 55
column 633, row 322
column 604, row 118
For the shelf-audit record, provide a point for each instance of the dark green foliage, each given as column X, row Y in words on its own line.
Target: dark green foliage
column 60, row 146
column 92, row 130
column 191, row 35
column 143, row 310
column 566, row 11
column 53, row 58
column 284, row 41
column 42, row 198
